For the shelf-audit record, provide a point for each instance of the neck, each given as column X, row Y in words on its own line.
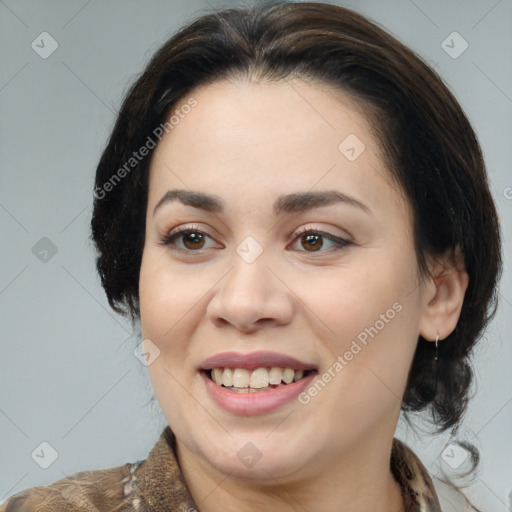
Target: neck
column 359, row 480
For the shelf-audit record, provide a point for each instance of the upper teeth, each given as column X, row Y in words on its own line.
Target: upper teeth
column 259, row 378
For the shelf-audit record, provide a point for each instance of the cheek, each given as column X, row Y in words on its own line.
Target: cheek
column 349, row 299
column 167, row 318
column 367, row 316
column 166, row 301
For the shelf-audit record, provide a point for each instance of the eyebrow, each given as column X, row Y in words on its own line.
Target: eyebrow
column 291, row 203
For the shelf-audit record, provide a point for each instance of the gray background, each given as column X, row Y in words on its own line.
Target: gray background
column 68, row 373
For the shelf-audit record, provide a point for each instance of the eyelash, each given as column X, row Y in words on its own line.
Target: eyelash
column 341, row 243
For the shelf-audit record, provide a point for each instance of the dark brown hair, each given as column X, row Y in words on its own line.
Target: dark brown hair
column 429, row 145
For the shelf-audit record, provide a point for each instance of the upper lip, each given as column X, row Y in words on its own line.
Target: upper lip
column 253, row 360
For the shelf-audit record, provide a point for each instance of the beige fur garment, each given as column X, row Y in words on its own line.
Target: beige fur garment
column 156, row 484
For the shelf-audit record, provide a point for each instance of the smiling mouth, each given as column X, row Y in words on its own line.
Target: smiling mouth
column 241, row 380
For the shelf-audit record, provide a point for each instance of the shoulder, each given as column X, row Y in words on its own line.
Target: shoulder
column 430, row 492
column 132, row 487
column 414, row 479
column 87, row 491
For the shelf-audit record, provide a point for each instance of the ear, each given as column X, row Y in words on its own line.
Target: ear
column 443, row 295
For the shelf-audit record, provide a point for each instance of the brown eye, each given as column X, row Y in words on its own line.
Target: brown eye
column 313, row 241
column 193, row 240
column 187, row 240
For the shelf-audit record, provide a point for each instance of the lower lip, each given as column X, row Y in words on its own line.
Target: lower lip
column 260, row 402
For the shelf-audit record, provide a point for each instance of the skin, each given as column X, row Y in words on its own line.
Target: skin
column 248, row 143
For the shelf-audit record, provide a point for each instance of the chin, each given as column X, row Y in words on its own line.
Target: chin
column 255, row 457
column 265, row 470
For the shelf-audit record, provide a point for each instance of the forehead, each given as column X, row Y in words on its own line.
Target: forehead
column 270, row 138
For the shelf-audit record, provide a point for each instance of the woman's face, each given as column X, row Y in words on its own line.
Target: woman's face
column 253, row 287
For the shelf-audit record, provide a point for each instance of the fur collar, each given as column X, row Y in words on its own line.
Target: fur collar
column 157, row 485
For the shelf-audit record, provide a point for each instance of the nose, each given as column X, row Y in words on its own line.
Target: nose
column 250, row 297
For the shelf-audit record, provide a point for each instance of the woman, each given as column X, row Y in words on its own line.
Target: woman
column 296, row 209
